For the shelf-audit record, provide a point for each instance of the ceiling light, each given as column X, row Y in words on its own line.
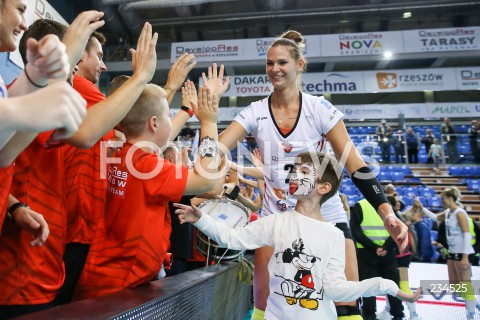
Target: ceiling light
column 407, row 15
column 388, row 55
column 344, row 21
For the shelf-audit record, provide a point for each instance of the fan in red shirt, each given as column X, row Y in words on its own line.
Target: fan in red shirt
column 130, row 245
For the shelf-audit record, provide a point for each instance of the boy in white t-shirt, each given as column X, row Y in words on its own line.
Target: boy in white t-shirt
column 307, row 267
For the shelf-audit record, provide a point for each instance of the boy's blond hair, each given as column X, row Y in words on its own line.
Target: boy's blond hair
column 150, row 103
column 328, row 170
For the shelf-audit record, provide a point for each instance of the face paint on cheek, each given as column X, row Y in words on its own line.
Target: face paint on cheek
column 305, row 182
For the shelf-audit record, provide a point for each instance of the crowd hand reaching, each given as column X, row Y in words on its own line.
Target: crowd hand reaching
column 144, row 58
column 179, row 71
column 215, row 80
column 409, row 297
column 46, row 59
column 257, row 158
column 187, row 213
column 189, row 94
column 185, row 158
column 79, row 32
column 417, row 203
column 32, row 222
column 396, row 228
column 207, row 108
column 58, row 106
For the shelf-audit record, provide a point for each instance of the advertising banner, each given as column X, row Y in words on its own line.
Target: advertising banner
column 410, row 80
column 256, row 49
column 209, row 51
column 436, row 40
column 468, row 78
column 356, row 44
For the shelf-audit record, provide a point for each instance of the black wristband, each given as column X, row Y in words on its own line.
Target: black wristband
column 31, row 81
column 234, row 194
column 14, row 207
column 369, row 186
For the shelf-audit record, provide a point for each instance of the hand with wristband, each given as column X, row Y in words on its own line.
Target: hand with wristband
column 177, row 74
column 189, row 97
column 29, row 220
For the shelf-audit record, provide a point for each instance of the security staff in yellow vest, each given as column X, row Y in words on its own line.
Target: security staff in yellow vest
column 474, row 259
column 375, row 254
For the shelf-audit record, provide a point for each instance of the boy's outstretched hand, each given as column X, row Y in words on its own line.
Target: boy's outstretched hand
column 187, row 213
column 409, row 297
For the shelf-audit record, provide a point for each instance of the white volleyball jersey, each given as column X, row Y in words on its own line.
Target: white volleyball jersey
column 455, row 233
column 316, row 117
column 3, row 89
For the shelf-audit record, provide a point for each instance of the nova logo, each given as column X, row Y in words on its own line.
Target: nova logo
column 386, row 80
column 360, row 44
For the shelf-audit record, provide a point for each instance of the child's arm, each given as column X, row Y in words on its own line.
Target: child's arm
column 253, row 236
column 337, row 288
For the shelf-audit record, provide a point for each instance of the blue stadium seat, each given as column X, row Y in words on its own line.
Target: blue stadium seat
column 410, row 192
column 398, row 176
column 455, row 170
column 405, row 169
column 435, row 202
column 469, row 171
column 384, row 176
column 426, row 192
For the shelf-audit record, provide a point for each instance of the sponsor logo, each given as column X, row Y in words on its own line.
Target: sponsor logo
column 470, row 75
column 280, row 194
column 456, row 39
column 360, row 44
column 451, row 110
column 275, row 158
column 281, row 206
column 261, row 118
column 287, row 147
column 387, row 80
column 218, row 50
column 331, row 84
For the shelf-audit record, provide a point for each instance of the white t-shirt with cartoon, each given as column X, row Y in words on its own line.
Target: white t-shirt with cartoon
column 306, row 270
column 316, row 118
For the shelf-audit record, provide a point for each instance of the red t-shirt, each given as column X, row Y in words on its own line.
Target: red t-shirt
column 33, row 275
column 84, row 188
column 131, row 242
column 6, row 175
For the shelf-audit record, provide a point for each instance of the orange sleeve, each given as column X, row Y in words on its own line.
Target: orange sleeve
column 88, row 90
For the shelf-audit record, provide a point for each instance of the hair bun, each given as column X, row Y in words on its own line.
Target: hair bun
column 295, row 36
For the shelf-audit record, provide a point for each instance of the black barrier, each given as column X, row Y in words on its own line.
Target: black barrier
column 213, row 292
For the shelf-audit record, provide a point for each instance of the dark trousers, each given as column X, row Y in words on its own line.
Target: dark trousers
column 13, row 311
column 370, row 265
column 74, row 258
column 412, row 155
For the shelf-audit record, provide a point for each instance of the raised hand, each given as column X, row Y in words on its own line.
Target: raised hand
column 257, row 158
column 46, row 59
column 144, row 58
column 189, row 94
column 79, row 32
column 215, row 80
column 187, row 213
column 207, row 108
column 409, row 297
column 32, row 222
column 179, row 71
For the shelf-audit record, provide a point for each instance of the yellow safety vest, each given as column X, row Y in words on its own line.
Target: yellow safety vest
column 472, row 230
column 372, row 225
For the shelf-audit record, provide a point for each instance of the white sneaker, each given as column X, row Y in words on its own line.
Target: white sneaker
column 384, row 315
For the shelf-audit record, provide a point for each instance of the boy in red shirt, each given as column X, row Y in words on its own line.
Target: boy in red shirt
column 131, row 242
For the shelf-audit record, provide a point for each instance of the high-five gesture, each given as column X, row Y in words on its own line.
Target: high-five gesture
column 215, row 80
column 177, row 74
column 207, row 108
column 187, row 213
column 78, row 33
column 144, row 58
